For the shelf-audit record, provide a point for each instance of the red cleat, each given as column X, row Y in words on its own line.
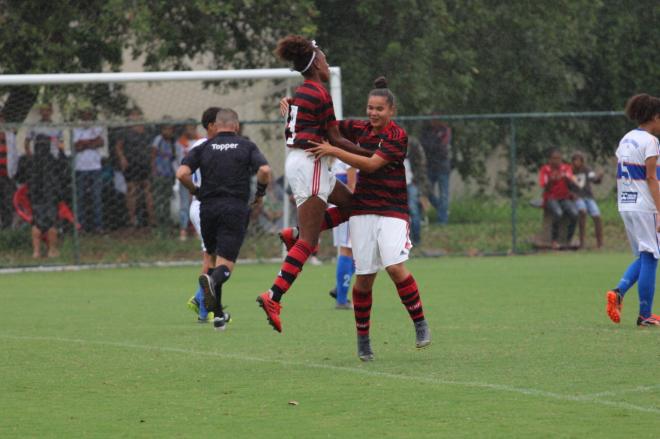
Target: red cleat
column 288, row 237
column 614, row 306
column 272, row 310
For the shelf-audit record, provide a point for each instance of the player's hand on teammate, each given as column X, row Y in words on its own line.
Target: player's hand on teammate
column 284, row 106
column 321, row 149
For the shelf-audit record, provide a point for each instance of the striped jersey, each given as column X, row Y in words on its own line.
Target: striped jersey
column 383, row 192
column 632, row 190
column 310, row 115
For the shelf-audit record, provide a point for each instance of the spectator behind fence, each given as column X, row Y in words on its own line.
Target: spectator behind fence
column 585, row 202
column 554, row 178
column 54, row 134
column 87, row 140
column 42, row 173
column 436, row 137
column 418, row 186
column 8, row 167
column 188, row 137
column 163, row 162
column 134, row 154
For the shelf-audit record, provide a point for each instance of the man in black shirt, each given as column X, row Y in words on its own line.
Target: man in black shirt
column 227, row 163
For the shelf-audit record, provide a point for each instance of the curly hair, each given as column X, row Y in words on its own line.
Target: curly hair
column 295, row 49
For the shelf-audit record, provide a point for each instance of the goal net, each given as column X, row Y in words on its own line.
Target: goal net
column 88, row 160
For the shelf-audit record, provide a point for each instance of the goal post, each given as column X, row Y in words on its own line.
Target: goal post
column 175, row 98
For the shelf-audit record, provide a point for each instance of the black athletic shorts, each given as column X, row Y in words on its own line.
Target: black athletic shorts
column 44, row 215
column 224, row 223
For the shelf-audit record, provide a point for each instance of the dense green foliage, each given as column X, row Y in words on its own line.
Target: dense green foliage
column 441, row 56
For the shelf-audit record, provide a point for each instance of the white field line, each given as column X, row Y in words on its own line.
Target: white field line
column 361, row 371
column 638, row 389
column 59, row 268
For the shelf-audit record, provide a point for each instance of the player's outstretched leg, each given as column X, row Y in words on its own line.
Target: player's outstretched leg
column 409, row 295
column 292, row 266
column 615, row 296
column 332, row 217
column 362, row 301
column 646, row 287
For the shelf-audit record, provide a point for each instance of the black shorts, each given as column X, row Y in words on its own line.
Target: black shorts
column 224, row 223
column 44, row 215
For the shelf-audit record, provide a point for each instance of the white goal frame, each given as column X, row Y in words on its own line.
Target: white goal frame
column 189, row 75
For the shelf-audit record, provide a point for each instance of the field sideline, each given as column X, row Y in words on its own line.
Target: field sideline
column 521, row 347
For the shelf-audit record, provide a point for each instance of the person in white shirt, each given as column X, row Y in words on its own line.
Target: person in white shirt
column 54, row 133
column 196, row 302
column 638, row 194
column 87, row 142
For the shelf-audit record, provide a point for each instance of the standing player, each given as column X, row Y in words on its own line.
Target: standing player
column 379, row 217
column 639, row 203
column 227, row 162
column 342, row 240
column 311, row 118
column 196, row 303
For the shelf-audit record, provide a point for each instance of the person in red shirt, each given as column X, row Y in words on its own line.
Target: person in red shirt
column 379, row 215
column 310, row 117
column 554, row 178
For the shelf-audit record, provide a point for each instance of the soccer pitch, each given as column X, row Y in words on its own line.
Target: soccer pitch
column 521, row 347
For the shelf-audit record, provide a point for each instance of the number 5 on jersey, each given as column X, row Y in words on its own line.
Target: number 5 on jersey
column 293, row 115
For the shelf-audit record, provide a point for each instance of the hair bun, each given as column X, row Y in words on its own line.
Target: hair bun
column 380, row 82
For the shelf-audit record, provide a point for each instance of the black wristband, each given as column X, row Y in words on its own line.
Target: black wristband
column 195, row 193
column 261, row 189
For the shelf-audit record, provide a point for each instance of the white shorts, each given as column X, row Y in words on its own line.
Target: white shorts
column 641, row 228
column 378, row 242
column 194, row 219
column 308, row 177
column 341, row 235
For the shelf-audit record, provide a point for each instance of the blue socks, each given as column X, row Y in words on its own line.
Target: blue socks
column 345, row 271
column 646, row 285
column 629, row 277
column 199, row 296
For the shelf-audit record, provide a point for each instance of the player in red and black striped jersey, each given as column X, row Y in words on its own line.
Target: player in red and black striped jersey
column 379, row 215
column 311, row 117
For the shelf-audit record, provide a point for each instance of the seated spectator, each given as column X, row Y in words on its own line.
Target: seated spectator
column 188, row 138
column 134, row 153
column 40, row 171
column 45, row 128
column 87, row 141
column 554, row 178
column 585, row 202
column 163, row 162
column 8, row 166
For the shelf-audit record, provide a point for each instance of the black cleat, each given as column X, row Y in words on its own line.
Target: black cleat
column 208, row 286
column 364, row 348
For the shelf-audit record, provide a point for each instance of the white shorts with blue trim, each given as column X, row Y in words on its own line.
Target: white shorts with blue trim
column 341, row 235
column 641, row 228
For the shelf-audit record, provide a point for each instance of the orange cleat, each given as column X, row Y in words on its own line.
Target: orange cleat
column 288, row 238
column 614, row 306
column 272, row 310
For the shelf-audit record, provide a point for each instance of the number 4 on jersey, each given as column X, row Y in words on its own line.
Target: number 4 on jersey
column 293, row 115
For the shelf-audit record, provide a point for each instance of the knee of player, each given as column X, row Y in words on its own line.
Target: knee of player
column 398, row 272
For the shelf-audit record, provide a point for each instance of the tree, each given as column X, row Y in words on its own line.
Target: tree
column 92, row 36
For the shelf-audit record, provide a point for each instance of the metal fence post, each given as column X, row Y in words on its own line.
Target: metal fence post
column 74, row 200
column 514, row 188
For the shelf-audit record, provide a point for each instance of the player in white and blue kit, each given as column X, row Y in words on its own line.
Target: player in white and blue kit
column 342, row 240
column 638, row 193
column 196, row 303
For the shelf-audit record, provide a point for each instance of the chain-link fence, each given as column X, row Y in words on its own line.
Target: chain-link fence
column 90, row 178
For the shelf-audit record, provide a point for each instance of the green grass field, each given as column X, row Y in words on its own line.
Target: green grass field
column 522, row 348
